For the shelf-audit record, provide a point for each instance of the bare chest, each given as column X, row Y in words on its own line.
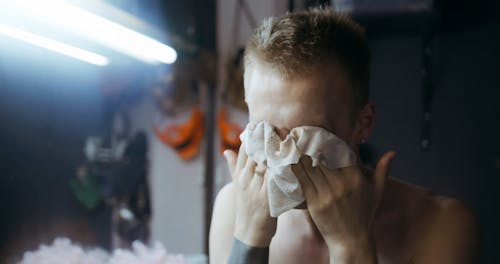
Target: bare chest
column 298, row 241
column 297, row 246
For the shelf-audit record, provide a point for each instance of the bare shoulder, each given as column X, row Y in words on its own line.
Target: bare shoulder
column 225, row 194
column 437, row 208
column 452, row 211
column 222, row 225
column 224, row 208
column 447, row 228
column 453, row 222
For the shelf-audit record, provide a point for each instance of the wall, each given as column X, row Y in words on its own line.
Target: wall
column 176, row 187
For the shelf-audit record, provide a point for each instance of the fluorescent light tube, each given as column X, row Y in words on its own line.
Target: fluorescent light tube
column 98, row 29
column 53, row 45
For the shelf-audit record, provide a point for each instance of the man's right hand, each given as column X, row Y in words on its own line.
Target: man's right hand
column 254, row 225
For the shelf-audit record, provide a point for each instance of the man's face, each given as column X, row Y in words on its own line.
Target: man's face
column 320, row 99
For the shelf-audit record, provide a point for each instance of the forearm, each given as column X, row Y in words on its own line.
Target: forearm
column 242, row 253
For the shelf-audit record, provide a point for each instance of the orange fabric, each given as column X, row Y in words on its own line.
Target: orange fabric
column 229, row 132
column 185, row 138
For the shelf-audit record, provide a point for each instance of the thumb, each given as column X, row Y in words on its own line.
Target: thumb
column 382, row 170
column 231, row 161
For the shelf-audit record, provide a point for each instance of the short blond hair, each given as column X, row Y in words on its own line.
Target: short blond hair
column 296, row 44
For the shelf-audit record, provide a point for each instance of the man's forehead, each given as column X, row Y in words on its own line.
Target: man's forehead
column 325, row 80
column 290, row 105
column 303, row 93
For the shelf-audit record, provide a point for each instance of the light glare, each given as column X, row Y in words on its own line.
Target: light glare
column 53, row 45
column 98, row 29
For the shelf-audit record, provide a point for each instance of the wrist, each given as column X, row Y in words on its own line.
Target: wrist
column 243, row 253
column 256, row 236
column 360, row 250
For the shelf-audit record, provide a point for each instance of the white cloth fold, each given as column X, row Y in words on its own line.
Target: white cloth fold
column 264, row 146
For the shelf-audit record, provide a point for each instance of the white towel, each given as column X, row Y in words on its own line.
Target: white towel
column 264, row 146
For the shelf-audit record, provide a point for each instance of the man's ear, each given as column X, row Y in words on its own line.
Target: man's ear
column 365, row 123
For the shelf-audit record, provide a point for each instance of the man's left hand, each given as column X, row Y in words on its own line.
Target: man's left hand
column 342, row 204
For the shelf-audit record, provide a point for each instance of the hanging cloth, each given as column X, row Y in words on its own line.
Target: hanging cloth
column 185, row 138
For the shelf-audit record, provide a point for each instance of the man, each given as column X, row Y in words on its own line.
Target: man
column 311, row 68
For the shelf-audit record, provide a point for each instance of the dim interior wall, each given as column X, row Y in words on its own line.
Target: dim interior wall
column 227, row 43
column 176, row 187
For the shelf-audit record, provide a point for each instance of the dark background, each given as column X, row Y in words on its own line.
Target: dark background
column 47, row 108
column 463, row 160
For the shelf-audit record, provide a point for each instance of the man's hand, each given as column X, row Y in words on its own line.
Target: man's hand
column 342, row 204
column 254, row 226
